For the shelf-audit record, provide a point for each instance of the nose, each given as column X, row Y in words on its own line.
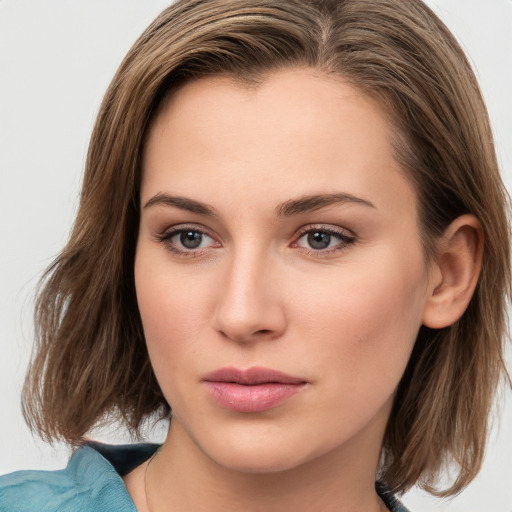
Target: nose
column 250, row 306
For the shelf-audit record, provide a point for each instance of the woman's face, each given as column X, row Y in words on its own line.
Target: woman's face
column 279, row 271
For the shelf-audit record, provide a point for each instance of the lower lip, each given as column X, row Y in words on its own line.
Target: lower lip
column 251, row 398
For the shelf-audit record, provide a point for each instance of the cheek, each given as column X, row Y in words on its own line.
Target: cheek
column 173, row 314
column 366, row 325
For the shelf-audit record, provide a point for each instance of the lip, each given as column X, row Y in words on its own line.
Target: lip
column 255, row 389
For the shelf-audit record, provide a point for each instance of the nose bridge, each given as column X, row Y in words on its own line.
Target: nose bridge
column 249, row 305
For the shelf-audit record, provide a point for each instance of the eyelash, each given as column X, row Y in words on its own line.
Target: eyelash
column 344, row 240
column 167, row 236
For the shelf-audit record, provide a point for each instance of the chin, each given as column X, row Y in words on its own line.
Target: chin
column 262, row 451
column 258, row 460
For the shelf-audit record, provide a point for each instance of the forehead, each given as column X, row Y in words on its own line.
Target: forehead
column 297, row 130
column 300, row 98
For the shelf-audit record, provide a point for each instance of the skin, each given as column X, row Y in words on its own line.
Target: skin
column 255, row 293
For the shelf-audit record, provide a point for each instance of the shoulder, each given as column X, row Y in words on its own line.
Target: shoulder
column 89, row 482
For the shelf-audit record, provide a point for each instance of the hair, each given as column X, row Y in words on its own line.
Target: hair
column 91, row 361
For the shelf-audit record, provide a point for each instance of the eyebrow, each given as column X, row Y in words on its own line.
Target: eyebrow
column 183, row 203
column 287, row 209
column 316, row 202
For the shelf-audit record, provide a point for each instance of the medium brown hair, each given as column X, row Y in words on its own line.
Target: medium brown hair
column 91, row 359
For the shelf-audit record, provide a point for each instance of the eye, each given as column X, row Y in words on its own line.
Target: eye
column 190, row 239
column 187, row 241
column 323, row 239
column 318, row 240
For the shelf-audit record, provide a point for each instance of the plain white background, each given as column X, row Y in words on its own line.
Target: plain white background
column 56, row 60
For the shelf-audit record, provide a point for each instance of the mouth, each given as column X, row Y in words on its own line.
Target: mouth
column 252, row 390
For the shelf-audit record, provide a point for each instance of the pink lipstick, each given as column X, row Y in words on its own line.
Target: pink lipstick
column 253, row 390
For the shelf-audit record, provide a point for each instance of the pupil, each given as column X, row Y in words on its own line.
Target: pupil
column 319, row 240
column 190, row 239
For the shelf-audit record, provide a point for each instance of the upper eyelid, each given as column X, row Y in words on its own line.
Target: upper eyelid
column 328, row 228
column 170, row 231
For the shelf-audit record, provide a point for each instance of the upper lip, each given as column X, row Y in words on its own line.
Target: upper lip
column 251, row 376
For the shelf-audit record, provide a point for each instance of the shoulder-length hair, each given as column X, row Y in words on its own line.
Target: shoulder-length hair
column 91, row 360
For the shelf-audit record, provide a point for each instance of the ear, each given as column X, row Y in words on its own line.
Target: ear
column 455, row 274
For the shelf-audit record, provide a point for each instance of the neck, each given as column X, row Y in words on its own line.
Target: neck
column 183, row 478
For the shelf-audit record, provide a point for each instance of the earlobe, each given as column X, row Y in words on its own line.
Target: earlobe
column 458, row 264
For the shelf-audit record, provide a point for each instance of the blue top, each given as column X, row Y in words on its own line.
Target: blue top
column 92, row 482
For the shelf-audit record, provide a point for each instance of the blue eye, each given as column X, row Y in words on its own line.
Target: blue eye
column 190, row 239
column 187, row 241
column 319, row 240
column 323, row 240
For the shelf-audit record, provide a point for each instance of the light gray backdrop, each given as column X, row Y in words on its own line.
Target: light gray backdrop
column 56, row 60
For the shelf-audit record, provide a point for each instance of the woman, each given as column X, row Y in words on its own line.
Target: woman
column 292, row 232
